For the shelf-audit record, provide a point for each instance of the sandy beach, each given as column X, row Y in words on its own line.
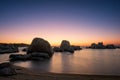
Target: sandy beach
column 25, row 74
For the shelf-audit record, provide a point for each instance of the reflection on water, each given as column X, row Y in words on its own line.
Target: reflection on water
column 86, row 61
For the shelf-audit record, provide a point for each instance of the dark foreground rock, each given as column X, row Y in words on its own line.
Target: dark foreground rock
column 7, row 69
column 8, row 48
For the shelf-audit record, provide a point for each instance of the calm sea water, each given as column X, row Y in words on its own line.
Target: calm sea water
column 86, row 61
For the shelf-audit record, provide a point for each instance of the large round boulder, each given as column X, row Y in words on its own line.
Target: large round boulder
column 40, row 45
column 7, row 69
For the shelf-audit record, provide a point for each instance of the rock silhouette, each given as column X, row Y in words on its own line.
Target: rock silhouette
column 38, row 50
column 66, row 47
column 100, row 45
column 40, row 45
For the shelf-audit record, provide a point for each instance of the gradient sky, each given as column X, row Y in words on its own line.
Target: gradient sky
column 82, row 22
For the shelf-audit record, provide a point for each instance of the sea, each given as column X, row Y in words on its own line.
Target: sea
column 85, row 61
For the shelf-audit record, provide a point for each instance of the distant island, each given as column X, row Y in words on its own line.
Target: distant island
column 11, row 47
column 100, row 45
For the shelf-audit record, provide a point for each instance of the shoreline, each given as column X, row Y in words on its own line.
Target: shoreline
column 26, row 74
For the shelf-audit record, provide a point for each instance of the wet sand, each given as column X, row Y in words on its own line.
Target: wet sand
column 25, row 74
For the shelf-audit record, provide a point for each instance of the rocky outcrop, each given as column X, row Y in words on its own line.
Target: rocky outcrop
column 110, row 46
column 40, row 45
column 76, row 47
column 8, row 48
column 100, row 45
column 38, row 50
column 7, row 69
column 66, row 47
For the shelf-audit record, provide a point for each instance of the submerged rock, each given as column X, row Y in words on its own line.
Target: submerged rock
column 76, row 47
column 40, row 45
column 57, row 49
column 32, row 56
column 19, row 57
column 6, row 69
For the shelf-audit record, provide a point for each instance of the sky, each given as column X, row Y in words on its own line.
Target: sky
column 81, row 22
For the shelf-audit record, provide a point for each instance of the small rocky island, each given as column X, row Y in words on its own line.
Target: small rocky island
column 100, row 45
column 66, row 47
column 8, row 48
column 39, row 49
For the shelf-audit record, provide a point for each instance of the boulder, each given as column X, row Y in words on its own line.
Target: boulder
column 40, row 45
column 7, row 69
column 65, row 46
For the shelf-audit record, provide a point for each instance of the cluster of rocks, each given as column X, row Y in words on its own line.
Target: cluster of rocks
column 38, row 50
column 8, row 48
column 101, row 46
column 25, row 49
column 66, row 47
column 7, row 69
column 21, row 44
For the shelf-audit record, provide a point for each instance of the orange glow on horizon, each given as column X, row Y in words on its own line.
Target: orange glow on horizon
column 56, row 34
column 58, row 42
